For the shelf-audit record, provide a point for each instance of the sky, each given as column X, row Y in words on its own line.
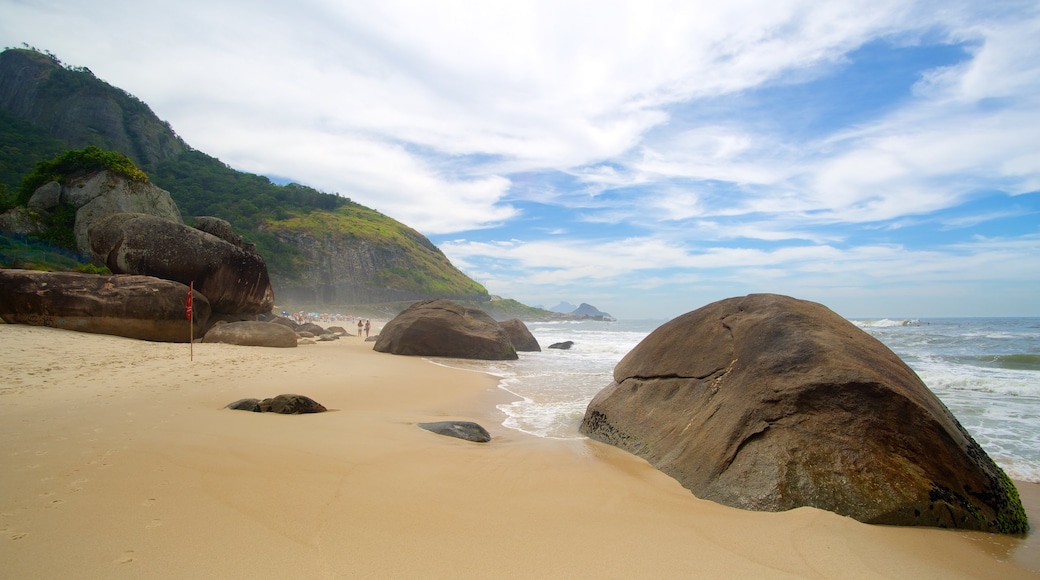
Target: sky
column 646, row 157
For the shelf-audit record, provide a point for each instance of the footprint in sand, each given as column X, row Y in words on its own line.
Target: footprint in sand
column 18, row 536
column 55, row 503
column 148, row 502
column 153, row 524
column 126, row 558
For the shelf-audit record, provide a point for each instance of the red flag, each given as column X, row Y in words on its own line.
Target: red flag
column 187, row 306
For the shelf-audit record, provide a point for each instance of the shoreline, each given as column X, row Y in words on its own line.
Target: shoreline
column 120, row 461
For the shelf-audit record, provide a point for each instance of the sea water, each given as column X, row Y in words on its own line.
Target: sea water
column 985, row 370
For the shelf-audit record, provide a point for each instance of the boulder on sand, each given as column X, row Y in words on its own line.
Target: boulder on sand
column 440, row 327
column 520, row 336
column 466, row 430
column 139, row 307
column 770, row 403
column 252, row 333
column 234, row 280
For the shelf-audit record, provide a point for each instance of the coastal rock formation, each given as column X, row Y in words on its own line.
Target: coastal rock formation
column 459, row 429
column 565, row 345
column 444, row 328
column 252, row 333
column 520, row 336
column 103, row 194
column 139, row 307
column 769, row 403
column 234, row 280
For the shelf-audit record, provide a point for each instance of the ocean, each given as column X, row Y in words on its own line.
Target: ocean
column 985, row 370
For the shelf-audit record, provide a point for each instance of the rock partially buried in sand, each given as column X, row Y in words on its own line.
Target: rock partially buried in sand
column 291, row 405
column 252, row 405
column 252, row 333
column 769, row 403
column 282, row 404
column 460, row 429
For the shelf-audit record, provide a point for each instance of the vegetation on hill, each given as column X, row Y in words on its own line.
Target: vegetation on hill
column 22, row 146
column 77, row 163
column 417, row 266
column 112, row 129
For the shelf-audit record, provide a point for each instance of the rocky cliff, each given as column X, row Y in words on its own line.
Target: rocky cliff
column 355, row 255
column 82, row 111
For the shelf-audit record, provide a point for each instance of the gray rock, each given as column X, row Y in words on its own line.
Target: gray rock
column 46, row 197
column 100, row 195
column 291, row 405
column 218, row 227
column 521, row 336
column 314, row 329
column 252, row 405
column 139, row 307
column 234, row 280
column 460, row 429
column 565, row 345
column 252, row 333
column 445, row 328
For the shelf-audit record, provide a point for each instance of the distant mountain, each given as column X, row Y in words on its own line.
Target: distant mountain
column 320, row 248
column 563, row 308
column 590, row 311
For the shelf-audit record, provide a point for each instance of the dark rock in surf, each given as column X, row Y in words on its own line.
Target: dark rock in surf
column 565, row 345
column 520, row 336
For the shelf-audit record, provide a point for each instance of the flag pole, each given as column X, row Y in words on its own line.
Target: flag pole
column 191, row 322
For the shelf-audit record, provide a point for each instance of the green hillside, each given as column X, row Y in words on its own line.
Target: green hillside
column 37, row 92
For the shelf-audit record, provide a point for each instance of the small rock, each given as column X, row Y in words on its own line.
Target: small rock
column 291, row 405
column 245, row 405
column 562, row 345
column 460, row 429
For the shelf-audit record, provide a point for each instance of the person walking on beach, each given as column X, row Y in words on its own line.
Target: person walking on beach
column 368, row 327
column 359, row 326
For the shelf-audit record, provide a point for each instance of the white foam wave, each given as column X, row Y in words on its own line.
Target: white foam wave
column 885, row 323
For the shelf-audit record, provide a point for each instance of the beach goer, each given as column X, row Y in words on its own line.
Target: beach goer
column 368, row 327
column 360, row 326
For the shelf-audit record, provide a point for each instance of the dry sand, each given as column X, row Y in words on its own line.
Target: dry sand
column 119, row 460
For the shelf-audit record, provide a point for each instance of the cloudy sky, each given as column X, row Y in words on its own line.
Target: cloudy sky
column 647, row 157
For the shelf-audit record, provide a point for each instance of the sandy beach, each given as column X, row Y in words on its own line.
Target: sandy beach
column 119, row 460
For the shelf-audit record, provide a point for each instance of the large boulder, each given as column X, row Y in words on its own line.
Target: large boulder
column 252, row 333
column 520, row 336
column 99, row 195
column 440, row 327
column 770, row 403
column 234, row 280
column 139, row 307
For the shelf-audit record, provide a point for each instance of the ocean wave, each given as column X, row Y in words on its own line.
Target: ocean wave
column 886, row 322
column 1019, row 362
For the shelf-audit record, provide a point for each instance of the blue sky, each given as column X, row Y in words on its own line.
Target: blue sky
column 881, row 157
